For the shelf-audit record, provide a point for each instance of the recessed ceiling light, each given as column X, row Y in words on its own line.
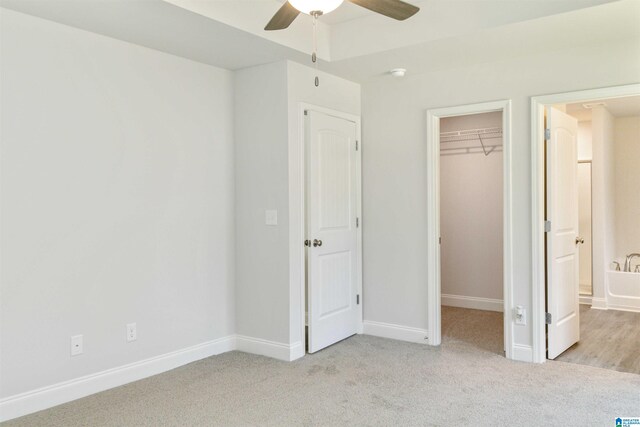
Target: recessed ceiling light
column 398, row 72
column 594, row 104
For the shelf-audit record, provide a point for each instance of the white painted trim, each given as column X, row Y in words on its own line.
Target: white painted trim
column 622, row 307
column 599, row 303
column 56, row 394
column 297, row 222
column 538, row 295
column 273, row 349
column 476, row 303
column 433, row 215
column 586, row 299
column 396, row 332
column 522, row 353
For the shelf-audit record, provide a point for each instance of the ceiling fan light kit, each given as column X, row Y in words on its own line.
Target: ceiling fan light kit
column 289, row 11
column 311, row 6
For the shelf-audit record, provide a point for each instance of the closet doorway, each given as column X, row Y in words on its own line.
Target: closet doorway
column 471, row 249
column 469, row 223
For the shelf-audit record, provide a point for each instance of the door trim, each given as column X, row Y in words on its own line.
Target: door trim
column 298, row 219
column 538, row 260
column 434, row 293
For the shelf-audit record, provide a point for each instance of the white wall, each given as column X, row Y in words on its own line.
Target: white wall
column 627, row 183
column 585, row 150
column 117, row 202
column 471, row 223
column 269, row 176
column 261, row 156
column 395, row 249
column 603, row 200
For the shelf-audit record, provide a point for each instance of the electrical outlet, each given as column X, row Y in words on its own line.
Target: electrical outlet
column 521, row 315
column 132, row 333
column 271, row 217
column 76, row 345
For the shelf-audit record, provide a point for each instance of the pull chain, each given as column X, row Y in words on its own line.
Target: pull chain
column 314, row 55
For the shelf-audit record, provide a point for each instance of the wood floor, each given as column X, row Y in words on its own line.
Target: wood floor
column 608, row 339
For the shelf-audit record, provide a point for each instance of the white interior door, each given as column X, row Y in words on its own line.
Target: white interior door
column 562, row 239
column 584, row 213
column 332, row 256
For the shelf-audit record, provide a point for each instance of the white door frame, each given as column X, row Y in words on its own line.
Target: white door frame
column 433, row 215
column 298, row 231
column 538, row 261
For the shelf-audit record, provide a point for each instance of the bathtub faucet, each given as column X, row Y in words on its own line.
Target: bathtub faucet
column 627, row 263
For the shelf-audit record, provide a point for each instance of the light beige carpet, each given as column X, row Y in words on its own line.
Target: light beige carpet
column 362, row 381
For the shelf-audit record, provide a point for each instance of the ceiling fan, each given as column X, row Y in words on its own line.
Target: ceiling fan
column 396, row 9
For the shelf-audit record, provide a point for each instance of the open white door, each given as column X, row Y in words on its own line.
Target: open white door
column 332, row 273
column 562, row 238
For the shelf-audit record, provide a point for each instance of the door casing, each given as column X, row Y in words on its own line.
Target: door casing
column 298, row 234
column 538, row 259
column 433, row 217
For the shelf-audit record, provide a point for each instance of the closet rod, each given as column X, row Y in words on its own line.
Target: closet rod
column 480, row 135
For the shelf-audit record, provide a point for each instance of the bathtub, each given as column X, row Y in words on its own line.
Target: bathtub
column 623, row 291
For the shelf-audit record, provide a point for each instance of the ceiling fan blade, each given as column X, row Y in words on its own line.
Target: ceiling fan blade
column 396, row 9
column 283, row 17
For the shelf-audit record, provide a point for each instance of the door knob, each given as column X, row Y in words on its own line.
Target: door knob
column 307, row 243
column 579, row 241
column 317, row 242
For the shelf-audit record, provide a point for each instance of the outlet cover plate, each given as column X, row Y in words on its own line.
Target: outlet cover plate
column 132, row 332
column 77, row 346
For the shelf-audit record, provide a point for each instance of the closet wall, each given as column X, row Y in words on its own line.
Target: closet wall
column 471, row 187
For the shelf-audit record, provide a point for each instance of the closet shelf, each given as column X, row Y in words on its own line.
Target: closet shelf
column 470, row 135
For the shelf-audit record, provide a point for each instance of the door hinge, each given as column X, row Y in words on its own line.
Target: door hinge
column 358, row 299
column 356, row 145
column 357, row 222
column 547, row 134
column 439, row 240
column 547, row 318
column 306, row 113
column 547, row 226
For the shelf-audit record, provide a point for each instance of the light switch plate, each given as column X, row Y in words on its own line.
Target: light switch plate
column 271, row 217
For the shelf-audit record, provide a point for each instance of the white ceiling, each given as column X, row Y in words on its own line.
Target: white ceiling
column 354, row 42
column 596, row 25
column 628, row 106
column 162, row 26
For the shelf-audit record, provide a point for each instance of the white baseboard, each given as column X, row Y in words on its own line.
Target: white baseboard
column 396, row 332
column 276, row 350
column 522, row 353
column 56, row 394
column 476, row 303
column 623, row 307
column 599, row 303
column 586, row 299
